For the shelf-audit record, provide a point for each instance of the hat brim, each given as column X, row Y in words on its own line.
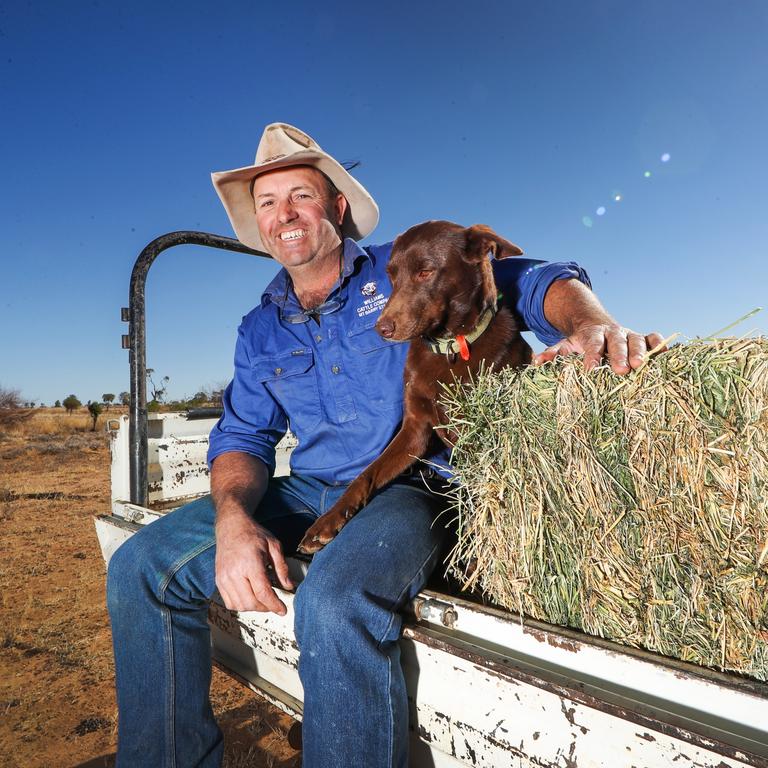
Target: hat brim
column 234, row 190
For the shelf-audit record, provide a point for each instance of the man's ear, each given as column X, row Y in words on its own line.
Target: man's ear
column 481, row 239
column 340, row 208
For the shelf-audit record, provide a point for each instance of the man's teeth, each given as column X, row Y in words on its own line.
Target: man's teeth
column 294, row 234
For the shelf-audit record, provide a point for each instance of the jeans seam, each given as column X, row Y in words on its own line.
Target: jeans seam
column 170, row 710
column 402, row 592
column 391, row 739
column 169, row 702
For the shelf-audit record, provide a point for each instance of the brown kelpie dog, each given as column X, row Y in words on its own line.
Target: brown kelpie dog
column 444, row 300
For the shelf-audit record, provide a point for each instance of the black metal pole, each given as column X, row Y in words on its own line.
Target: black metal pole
column 136, row 342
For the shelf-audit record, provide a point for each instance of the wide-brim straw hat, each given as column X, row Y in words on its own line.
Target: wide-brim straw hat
column 282, row 146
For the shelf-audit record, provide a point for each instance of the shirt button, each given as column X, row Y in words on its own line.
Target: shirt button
column 278, row 371
column 335, row 369
column 318, row 337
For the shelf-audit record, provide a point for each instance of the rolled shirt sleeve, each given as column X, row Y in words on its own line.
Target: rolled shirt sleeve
column 252, row 422
column 524, row 283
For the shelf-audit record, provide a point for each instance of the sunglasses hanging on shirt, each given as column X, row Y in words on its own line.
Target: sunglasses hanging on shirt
column 326, row 308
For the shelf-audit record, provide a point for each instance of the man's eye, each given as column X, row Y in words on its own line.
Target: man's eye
column 265, row 203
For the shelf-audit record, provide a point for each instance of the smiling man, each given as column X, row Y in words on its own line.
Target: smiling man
column 308, row 357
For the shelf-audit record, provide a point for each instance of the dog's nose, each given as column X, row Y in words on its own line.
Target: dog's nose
column 386, row 328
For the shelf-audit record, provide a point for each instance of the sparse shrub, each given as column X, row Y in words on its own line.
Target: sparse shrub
column 125, row 398
column 11, row 407
column 71, row 403
column 95, row 410
column 108, row 399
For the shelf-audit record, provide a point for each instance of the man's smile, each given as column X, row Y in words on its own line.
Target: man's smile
column 294, row 234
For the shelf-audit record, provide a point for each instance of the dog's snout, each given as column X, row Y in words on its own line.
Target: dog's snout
column 385, row 327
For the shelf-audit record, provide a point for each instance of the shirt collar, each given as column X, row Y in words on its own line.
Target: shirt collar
column 275, row 292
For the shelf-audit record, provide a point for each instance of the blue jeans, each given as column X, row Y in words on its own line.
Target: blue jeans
column 347, row 626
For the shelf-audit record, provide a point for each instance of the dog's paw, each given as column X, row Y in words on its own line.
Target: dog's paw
column 323, row 530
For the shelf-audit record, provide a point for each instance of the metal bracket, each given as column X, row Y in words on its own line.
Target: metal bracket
column 435, row 611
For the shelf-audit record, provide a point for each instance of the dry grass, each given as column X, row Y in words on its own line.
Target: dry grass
column 631, row 508
column 56, row 421
column 57, row 703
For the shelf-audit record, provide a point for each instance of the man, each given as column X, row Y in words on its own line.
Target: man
column 308, row 357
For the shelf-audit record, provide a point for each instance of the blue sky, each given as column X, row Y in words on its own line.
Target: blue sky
column 525, row 116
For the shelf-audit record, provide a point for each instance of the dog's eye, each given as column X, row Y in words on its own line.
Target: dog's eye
column 423, row 274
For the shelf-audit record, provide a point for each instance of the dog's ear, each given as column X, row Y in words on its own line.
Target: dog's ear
column 481, row 239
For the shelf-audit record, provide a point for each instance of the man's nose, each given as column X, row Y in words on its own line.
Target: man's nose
column 286, row 211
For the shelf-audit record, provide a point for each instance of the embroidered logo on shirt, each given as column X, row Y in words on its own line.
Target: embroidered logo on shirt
column 368, row 289
column 372, row 304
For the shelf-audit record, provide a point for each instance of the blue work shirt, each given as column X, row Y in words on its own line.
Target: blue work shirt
column 335, row 383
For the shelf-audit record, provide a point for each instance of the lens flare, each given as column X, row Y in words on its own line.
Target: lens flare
column 618, row 197
column 586, row 221
column 600, row 211
column 647, row 174
column 665, row 157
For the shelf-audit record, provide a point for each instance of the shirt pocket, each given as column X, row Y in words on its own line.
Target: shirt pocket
column 380, row 363
column 291, row 378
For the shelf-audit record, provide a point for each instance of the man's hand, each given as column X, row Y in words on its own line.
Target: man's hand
column 245, row 554
column 572, row 308
column 624, row 349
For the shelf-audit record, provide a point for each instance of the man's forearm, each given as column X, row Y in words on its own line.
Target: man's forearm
column 588, row 329
column 570, row 305
column 238, row 483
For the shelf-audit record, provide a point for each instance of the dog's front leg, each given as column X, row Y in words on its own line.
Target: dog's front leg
column 408, row 444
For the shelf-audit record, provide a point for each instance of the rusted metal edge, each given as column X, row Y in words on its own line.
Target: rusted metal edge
column 287, row 703
column 137, row 344
column 120, row 522
column 570, row 639
column 508, row 669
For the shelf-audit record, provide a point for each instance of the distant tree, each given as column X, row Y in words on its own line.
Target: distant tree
column 12, row 409
column 71, row 403
column 10, row 399
column 158, row 392
column 109, row 398
column 57, row 404
column 95, row 410
column 125, row 398
column 41, row 405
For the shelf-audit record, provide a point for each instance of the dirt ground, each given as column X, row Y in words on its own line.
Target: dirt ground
column 57, row 700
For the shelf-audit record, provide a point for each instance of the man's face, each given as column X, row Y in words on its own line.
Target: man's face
column 297, row 221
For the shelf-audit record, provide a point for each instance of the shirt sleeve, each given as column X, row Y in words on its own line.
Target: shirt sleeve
column 252, row 421
column 524, row 283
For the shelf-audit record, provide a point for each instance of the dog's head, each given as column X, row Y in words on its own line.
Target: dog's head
column 442, row 279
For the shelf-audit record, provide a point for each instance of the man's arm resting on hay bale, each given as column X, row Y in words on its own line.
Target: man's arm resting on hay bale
column 245, row 550
column 589, row 330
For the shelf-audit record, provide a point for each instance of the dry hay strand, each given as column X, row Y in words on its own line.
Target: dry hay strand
column 632, row 508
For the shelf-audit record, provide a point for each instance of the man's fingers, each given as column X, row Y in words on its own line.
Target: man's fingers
column 625, row 350
column 561, row 349
column 547, row 356
column 264, row 593
column 280, row 565
column 239, row 596
column 637, row 348
column 653, row 340
column 594, row 346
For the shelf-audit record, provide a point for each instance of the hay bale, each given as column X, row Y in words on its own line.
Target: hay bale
column 633, row 508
